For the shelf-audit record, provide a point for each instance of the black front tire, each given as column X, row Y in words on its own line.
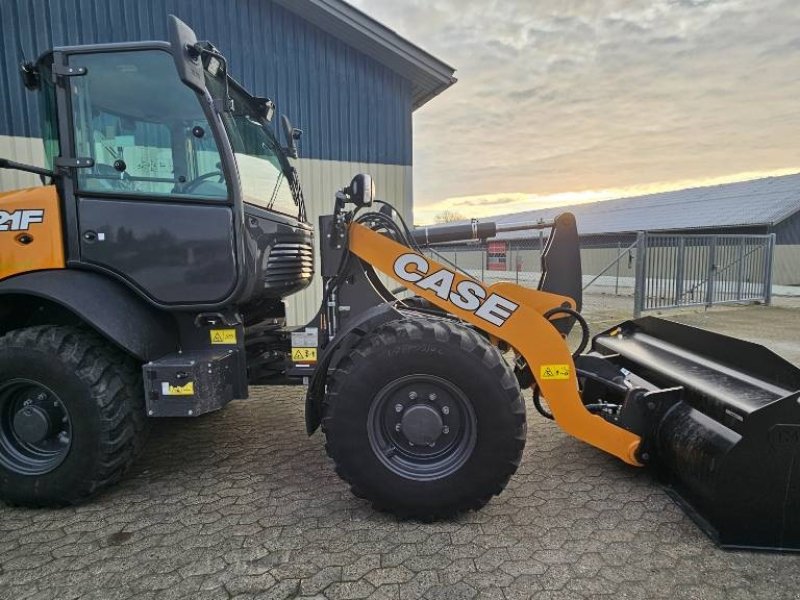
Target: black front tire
column 449, row 377
column 101, row 393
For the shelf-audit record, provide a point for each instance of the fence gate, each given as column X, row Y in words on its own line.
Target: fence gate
column 702, row 270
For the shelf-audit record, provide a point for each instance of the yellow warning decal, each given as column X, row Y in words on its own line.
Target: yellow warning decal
column 304, row 354
column 554, row 372
column 168, row 389
column 223, row 336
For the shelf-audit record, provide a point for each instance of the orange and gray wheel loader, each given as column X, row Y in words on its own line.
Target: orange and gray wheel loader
column 145, row 278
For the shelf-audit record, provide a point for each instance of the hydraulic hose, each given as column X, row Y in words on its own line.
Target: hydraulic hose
column 585, row 336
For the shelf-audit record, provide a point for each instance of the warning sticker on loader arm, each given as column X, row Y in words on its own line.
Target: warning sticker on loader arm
column 554, row 372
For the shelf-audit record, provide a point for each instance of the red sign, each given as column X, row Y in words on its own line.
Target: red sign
column 496, row 256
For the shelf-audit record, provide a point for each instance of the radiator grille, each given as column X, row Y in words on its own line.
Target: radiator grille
column 289, row 263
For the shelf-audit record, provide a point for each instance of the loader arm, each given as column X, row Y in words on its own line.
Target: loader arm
column 511, row 313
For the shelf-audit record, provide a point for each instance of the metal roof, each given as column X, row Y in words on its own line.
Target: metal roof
column 429, row 75
column 764, row 202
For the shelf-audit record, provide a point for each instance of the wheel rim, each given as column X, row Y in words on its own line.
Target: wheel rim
column 35, row 428
column 422, row 427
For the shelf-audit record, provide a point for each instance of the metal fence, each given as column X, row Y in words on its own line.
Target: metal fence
column 702, row 270
column 656, row 271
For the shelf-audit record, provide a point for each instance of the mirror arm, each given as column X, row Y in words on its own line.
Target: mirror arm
column 42, row 173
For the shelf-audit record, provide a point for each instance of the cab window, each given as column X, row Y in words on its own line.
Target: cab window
column 48, row 114
column 143, row 127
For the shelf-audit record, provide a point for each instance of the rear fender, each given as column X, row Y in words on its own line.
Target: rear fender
column 106, row 306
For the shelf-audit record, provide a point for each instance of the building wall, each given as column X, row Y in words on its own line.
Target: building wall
column 320, row 181
column 354, row 112
column 786, row 265
column 787, row 233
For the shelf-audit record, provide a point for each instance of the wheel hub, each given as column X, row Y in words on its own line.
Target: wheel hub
column 422, row 425
column 32, row 424
column 35, row 428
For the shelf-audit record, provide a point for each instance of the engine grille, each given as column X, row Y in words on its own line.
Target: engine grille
column 289, row 263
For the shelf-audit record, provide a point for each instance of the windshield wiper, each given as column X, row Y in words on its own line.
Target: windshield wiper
column 274, row 197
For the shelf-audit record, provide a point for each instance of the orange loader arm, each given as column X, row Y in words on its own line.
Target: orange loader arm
column 511, row 313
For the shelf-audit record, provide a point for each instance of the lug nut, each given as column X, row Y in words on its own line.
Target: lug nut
column 412, row 395
column 398, row 407
column 397, row 427
column 432, row 397
column 445, row 430
column 445, row 410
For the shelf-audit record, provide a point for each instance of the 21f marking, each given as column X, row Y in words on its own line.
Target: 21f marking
column 20, row 220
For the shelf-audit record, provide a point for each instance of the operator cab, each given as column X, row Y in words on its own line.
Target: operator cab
column 175, row 183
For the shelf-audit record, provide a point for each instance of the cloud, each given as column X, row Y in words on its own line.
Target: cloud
column 560, row 96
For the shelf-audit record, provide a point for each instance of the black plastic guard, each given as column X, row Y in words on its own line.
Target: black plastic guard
column 561, row 261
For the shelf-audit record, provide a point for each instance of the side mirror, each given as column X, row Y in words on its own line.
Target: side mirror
column 293, row 135
column 361, row 190
column 189, row 66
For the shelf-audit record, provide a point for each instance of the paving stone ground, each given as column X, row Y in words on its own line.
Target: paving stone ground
column 242, row 504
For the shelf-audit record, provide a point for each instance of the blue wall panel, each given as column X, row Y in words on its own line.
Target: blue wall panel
column 351, row 107
column 788, row 232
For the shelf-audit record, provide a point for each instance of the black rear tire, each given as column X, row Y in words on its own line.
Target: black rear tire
column 99, row 395
column 392, row 395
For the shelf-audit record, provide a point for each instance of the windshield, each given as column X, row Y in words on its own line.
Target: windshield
column 264, row 171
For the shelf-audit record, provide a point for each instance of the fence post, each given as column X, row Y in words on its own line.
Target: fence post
column 680, row 270
column 484, row 255
column 619, row 256
column 710, row 272
column 740, row 269
column 641, row 274
column 768, row 267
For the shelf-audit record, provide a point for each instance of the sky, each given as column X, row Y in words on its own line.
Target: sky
column 562, row 101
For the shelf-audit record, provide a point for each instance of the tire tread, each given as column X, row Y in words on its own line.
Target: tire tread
column 417, row 327
column 112, row 377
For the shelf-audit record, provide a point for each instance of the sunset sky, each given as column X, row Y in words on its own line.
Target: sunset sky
column 579, row 100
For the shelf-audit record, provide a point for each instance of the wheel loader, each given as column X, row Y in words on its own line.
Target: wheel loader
column 145, row 279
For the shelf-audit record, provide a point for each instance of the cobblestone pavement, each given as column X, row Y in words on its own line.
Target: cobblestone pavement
column 241, row 504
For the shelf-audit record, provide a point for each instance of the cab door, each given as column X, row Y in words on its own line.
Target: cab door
column 155, row 208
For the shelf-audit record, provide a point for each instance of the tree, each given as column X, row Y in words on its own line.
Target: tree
column 449, row 216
